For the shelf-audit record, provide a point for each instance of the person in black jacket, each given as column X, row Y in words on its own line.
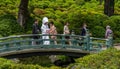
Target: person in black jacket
column 84, row 29
column 35, row 30
column 83, row 33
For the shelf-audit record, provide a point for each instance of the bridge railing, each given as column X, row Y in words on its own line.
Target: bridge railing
column 100, row 43
column 21, row 42
column 26, row 42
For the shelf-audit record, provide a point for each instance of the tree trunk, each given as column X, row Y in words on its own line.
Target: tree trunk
column 109, row 7
column 100, row 2
column 23, row 13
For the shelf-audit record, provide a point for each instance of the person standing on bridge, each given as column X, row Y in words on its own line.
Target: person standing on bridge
column 53, row 31
column 84, row 30
column 67, row 32
column 108, row 31
column 45, row 30
column 35, row 30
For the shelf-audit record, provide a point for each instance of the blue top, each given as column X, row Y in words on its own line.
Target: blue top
column 83, row 31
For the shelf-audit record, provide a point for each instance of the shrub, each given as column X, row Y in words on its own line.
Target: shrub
column 98, row 31
column 108, row 59
column 114, row 22
column 7, row 64
column 80, row 2
column 8, row 25
column 92, row 19
column 40, row 60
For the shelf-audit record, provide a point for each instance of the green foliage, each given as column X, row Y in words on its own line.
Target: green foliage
column 98, row 31
column 39, row 60
column 62, row 57
column 117, row 6
column 9, row 6
column 80, row 2
column 76, row 12
column 8, row 25
column 4, row 63
column 108, row 59
column 114, row 22
column 92, row 19
column 8, row 64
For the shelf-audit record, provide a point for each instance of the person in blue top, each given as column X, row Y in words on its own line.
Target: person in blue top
column 83, row 32
column 84, row 29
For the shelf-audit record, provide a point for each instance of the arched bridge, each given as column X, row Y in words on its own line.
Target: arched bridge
column 25, row 45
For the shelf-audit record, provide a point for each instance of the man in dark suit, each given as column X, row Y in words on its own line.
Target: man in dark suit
column 35, row 30
column 83, row 33
column 84, row 29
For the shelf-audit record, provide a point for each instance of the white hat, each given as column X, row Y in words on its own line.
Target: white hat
column 45, row 19
column 108, row 27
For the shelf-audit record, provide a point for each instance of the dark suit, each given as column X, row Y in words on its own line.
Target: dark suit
column 83, row 32
column 35, row 30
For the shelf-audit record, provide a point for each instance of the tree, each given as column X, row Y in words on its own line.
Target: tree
column 23, row 13
column 109, row 7
column 100, row 2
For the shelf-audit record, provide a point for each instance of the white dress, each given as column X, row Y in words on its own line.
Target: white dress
column 44, row 29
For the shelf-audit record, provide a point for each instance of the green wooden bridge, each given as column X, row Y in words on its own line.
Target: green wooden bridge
column 23, row 45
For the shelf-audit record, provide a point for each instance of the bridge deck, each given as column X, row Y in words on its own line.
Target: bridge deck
column 70, row 52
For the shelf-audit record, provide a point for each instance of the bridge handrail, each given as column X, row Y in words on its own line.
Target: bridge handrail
column 108, row 42
column 86, row 42
column 28, row 35
column 98, row 38
column 31, row 35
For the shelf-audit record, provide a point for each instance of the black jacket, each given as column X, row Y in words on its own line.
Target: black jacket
column 36, row 29
column 83, row 32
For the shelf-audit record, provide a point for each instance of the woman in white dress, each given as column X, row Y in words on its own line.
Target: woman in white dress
column 45, row 30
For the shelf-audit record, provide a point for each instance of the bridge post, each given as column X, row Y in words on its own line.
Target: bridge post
column 18, row 45
column 109, row 41
column 87, row 40
column 63, row 41
column 6, row 47
column 30, row 42
column 73, row 40
column 91, row 44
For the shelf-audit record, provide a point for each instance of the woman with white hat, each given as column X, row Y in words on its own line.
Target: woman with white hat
column 45, row 30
